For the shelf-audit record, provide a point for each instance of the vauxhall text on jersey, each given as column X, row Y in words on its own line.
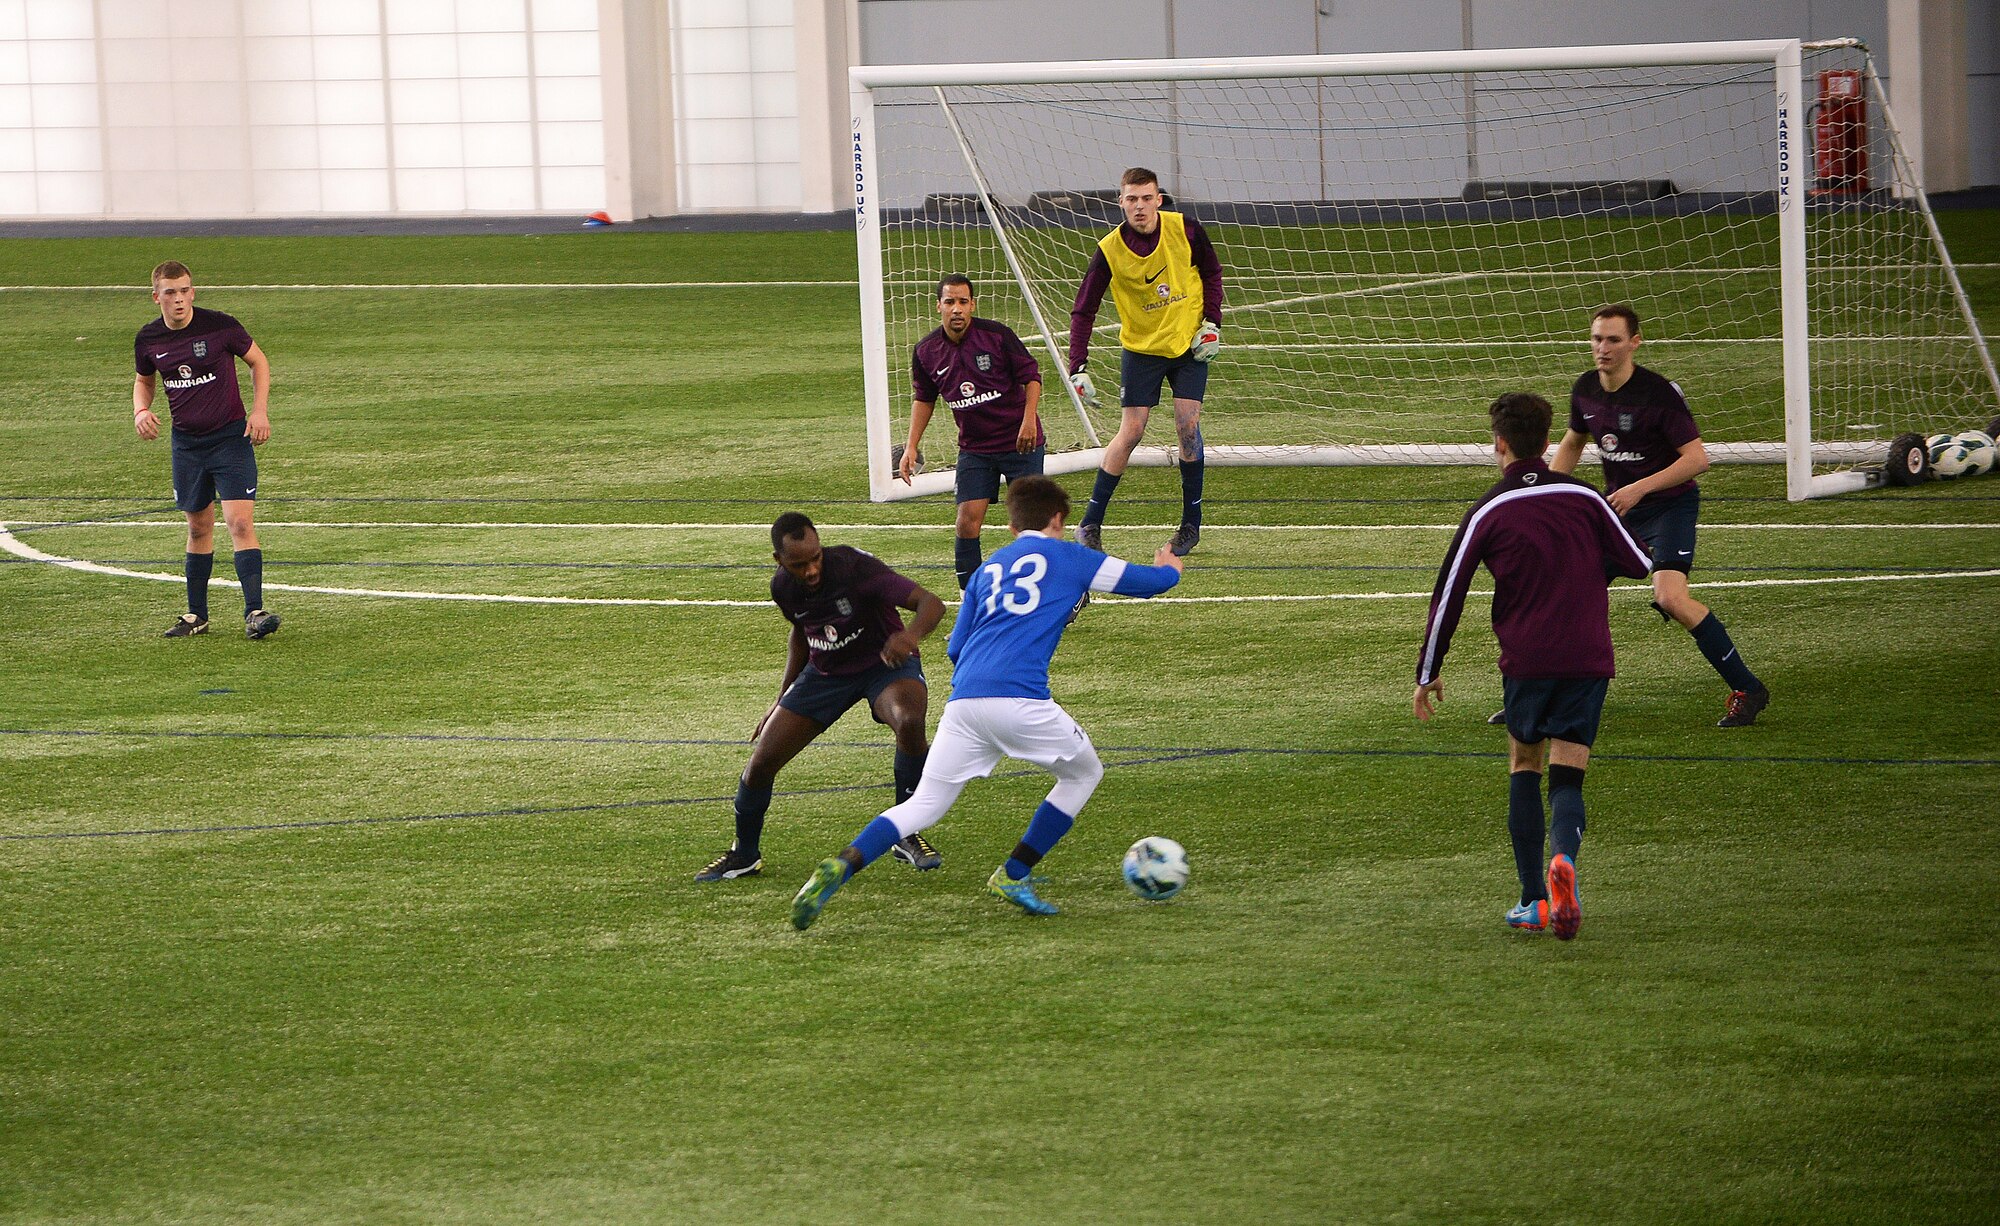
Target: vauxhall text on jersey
column 197, row 364
column 982, row 378
column 1639, row 429
column 850, row 615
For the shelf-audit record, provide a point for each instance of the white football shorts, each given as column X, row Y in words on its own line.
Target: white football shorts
column 976, row 733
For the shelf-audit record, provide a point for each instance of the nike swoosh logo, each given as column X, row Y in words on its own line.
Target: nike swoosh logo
column 1687, row 553
column 1156, row 276
column 942, row 373
column 158, row 356
column 249, row 489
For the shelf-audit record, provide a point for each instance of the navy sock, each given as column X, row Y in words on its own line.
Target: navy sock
column 1714, row 641
column 965, row 558
column 1565, row 811
column 909, row 771
column 1100, row 496
column 752, row 803
column 198, row 567
column 875, row 839
column 1191, row 475
column 1045, row 828
column 1527, row 826
column 250, row 573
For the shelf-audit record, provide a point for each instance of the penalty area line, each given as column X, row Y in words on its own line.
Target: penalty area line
column 14, row 545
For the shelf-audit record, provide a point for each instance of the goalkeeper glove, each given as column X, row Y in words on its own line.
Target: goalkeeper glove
column 1086, row 391
column 1207, row 339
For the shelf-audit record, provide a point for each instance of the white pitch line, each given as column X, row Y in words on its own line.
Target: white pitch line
column 763, row 527
column 12, row 544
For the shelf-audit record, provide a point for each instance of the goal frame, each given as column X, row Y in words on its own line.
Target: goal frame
column 1791, row 169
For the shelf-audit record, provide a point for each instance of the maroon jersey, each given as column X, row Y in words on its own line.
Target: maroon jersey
column 983, row 379
column 1639, row 429
column 1097, row 279
column 850, row 615
column 1552, row 544
column 198, row 366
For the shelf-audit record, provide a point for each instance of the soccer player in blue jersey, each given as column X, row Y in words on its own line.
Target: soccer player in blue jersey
column 1007, row 630
column 993, row 387
column 1551, row 543
column 1162, row 272
column 194, row 350
column 848, row 645
column 1652, row 453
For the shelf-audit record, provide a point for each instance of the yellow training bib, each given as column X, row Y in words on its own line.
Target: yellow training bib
column 1158, row 296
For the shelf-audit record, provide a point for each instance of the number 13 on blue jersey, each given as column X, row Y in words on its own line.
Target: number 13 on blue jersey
column 1023, row 580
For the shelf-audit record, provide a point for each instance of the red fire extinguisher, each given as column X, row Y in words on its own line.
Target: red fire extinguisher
column 1840, row 134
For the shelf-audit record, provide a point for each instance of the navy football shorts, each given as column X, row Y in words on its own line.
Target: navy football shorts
column 1666, row 527
column 979, row 475
column 1142, row 374
column 1565, row 708
column 220, row 464
column 825, row 697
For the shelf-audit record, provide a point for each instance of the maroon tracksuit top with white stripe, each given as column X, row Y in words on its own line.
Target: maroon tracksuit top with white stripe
column 1553, row 545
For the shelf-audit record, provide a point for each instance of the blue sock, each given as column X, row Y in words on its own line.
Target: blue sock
column 752, row 803
column 198, row 567
column 1527, row 826
column 909, row 772
column 1565, row 811
column 965, row 558
column 1100, row 497
column 1714, row 641
column 250, row 573
column 1047, row 826
column 874, row 841
column 1191, row 475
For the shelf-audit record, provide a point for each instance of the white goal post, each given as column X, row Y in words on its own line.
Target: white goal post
column 1404, row 236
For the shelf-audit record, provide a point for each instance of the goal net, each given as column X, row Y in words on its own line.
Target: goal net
column 1405, row 236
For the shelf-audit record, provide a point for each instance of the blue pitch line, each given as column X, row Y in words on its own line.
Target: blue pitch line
column 1168, row 752
column 765, row 568
column 531, row 811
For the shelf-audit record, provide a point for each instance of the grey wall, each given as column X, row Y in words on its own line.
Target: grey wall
column 947, row 31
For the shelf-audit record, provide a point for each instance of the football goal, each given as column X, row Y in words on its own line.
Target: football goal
column 1404, row 236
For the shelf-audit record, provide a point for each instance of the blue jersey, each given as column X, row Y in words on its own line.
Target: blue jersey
column 1017, row 607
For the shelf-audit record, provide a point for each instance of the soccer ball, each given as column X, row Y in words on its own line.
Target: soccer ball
column 1948, row 457
column 1156, row 868
column 1977, row 447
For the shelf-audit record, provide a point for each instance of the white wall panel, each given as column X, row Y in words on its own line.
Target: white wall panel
column 207, row 106
column 424, row 101
column 60, row 19
column 287, row 148
column 717, row 95
column 278, row 58
column 131, row 19
column 507, row 100
column 572, row 187
column 64, row 106
column 430, row 191
column 142, row 149
column 566, row 55
column 200, row 59
column 62, row 62
column 14, row 25
column 423, row 56
column 354, row 191
column 17, row 191
column 578, row 15
column 499, row 16
column 509, row 190
column 499, row 144
column 428, row 145
column 493, row 55
column 261, row 17
column 569, row 99
column 347, row 58
column 353, row 147
column 285, row 192
column 65, row 192
column 15, row 111
column 348, row 102
column 422, row 17
column 282, row 102
column 14, row 62
column 332, row 18
column 571, row 145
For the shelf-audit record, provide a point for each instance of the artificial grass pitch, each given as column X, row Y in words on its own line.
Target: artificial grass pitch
column 389, row 917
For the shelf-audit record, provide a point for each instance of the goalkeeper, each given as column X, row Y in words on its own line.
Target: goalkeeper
column 1164, row 276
